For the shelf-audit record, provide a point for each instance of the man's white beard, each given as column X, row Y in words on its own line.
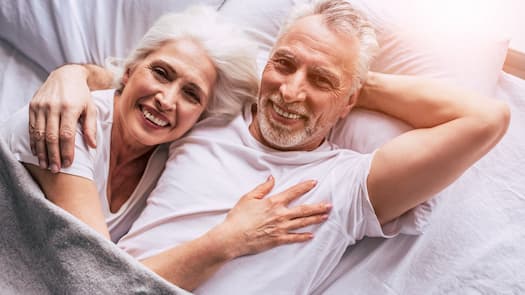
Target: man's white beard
column 279, row 135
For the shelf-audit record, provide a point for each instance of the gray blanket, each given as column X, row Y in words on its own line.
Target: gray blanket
column 44, row 250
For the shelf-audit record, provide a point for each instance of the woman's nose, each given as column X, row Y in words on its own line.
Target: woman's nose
column 165, row 102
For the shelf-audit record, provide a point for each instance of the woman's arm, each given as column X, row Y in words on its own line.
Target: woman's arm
column 54, row 111
column 75, row 194
column 254, row 225
column 453, row 129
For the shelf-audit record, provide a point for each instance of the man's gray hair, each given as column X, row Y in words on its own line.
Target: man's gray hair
column 232, row 52
column 341, row 17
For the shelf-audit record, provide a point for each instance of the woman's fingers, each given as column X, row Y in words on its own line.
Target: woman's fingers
column 262, row 189
column 89, row 126
column 299, row 223
column 308, row 210
column 294, row 238
column 293, row 192
column 68, row 123
column 52, row 140
column 38, row 135
column 32, row 129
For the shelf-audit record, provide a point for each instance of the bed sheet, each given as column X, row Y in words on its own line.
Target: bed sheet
column 19, row 79
column 475, row 242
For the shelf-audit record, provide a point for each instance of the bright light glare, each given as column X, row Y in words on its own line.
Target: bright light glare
column 466, row 16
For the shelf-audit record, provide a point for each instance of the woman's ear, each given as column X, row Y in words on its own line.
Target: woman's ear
column 125, row 77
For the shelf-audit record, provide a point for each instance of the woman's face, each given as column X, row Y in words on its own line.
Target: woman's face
column 165, row 94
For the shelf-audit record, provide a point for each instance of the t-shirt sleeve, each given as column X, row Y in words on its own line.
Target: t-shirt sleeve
column 16, row 133
column 362, row 220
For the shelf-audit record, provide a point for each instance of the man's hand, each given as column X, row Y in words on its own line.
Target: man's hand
column 63, row 100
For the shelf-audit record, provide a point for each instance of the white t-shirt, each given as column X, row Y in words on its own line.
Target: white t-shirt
column 212, row 167
column 93, row 164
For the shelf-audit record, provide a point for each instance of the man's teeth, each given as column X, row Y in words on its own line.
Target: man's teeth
column 154, row 119
column 284, row 113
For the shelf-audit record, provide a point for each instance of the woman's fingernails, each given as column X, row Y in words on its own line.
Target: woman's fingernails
column 54, row 168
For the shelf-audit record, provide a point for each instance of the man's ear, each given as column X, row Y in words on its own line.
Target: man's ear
column 350, row 105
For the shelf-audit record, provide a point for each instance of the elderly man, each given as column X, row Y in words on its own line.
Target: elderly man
column 316, row 74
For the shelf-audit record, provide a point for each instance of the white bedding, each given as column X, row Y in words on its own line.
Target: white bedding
column 474, row 245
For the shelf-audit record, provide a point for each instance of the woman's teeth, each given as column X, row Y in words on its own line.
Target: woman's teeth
column 285, row 114
column 154, row 119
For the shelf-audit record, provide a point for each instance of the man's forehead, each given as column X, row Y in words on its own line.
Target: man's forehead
column 309, row 39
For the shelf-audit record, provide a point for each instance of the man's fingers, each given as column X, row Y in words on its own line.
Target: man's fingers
column 39, row 136
column 308, row 210
column 52, row 141
column 294, row 192
column 262, row 189
column 89, row 125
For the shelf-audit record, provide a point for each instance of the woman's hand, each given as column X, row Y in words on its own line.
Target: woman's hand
column 54, row 111
column 257, row 224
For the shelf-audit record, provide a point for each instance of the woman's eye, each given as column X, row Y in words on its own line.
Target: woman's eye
column 159, row 72
column 192, row 95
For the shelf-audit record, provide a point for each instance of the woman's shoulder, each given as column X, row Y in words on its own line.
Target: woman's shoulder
column 103, row 100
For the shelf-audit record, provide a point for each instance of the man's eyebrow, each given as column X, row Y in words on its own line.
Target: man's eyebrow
column 332, row 77
column 284, row 53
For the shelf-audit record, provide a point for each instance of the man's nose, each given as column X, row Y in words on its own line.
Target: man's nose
column 293, row 89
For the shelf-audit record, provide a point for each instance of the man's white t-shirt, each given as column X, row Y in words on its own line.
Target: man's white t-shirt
column 93, row 164
column 217, row 163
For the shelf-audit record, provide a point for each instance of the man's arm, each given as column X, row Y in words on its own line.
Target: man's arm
column 59, row 104
column 453, row 129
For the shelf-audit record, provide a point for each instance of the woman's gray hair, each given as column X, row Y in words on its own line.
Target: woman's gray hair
column 340, row 16
column 232, row 52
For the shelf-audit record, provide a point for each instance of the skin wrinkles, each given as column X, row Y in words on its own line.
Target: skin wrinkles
column 168, row 85
column 305, row 76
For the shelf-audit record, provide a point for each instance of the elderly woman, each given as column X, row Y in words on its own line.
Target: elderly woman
column 180, row 72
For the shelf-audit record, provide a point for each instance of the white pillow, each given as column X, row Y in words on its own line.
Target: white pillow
column 260, row 19
column 52, row 33
column 468, row 59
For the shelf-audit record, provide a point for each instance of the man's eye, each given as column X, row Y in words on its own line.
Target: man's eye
column 283, row 65
column 322, row 82
column 282, row 62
